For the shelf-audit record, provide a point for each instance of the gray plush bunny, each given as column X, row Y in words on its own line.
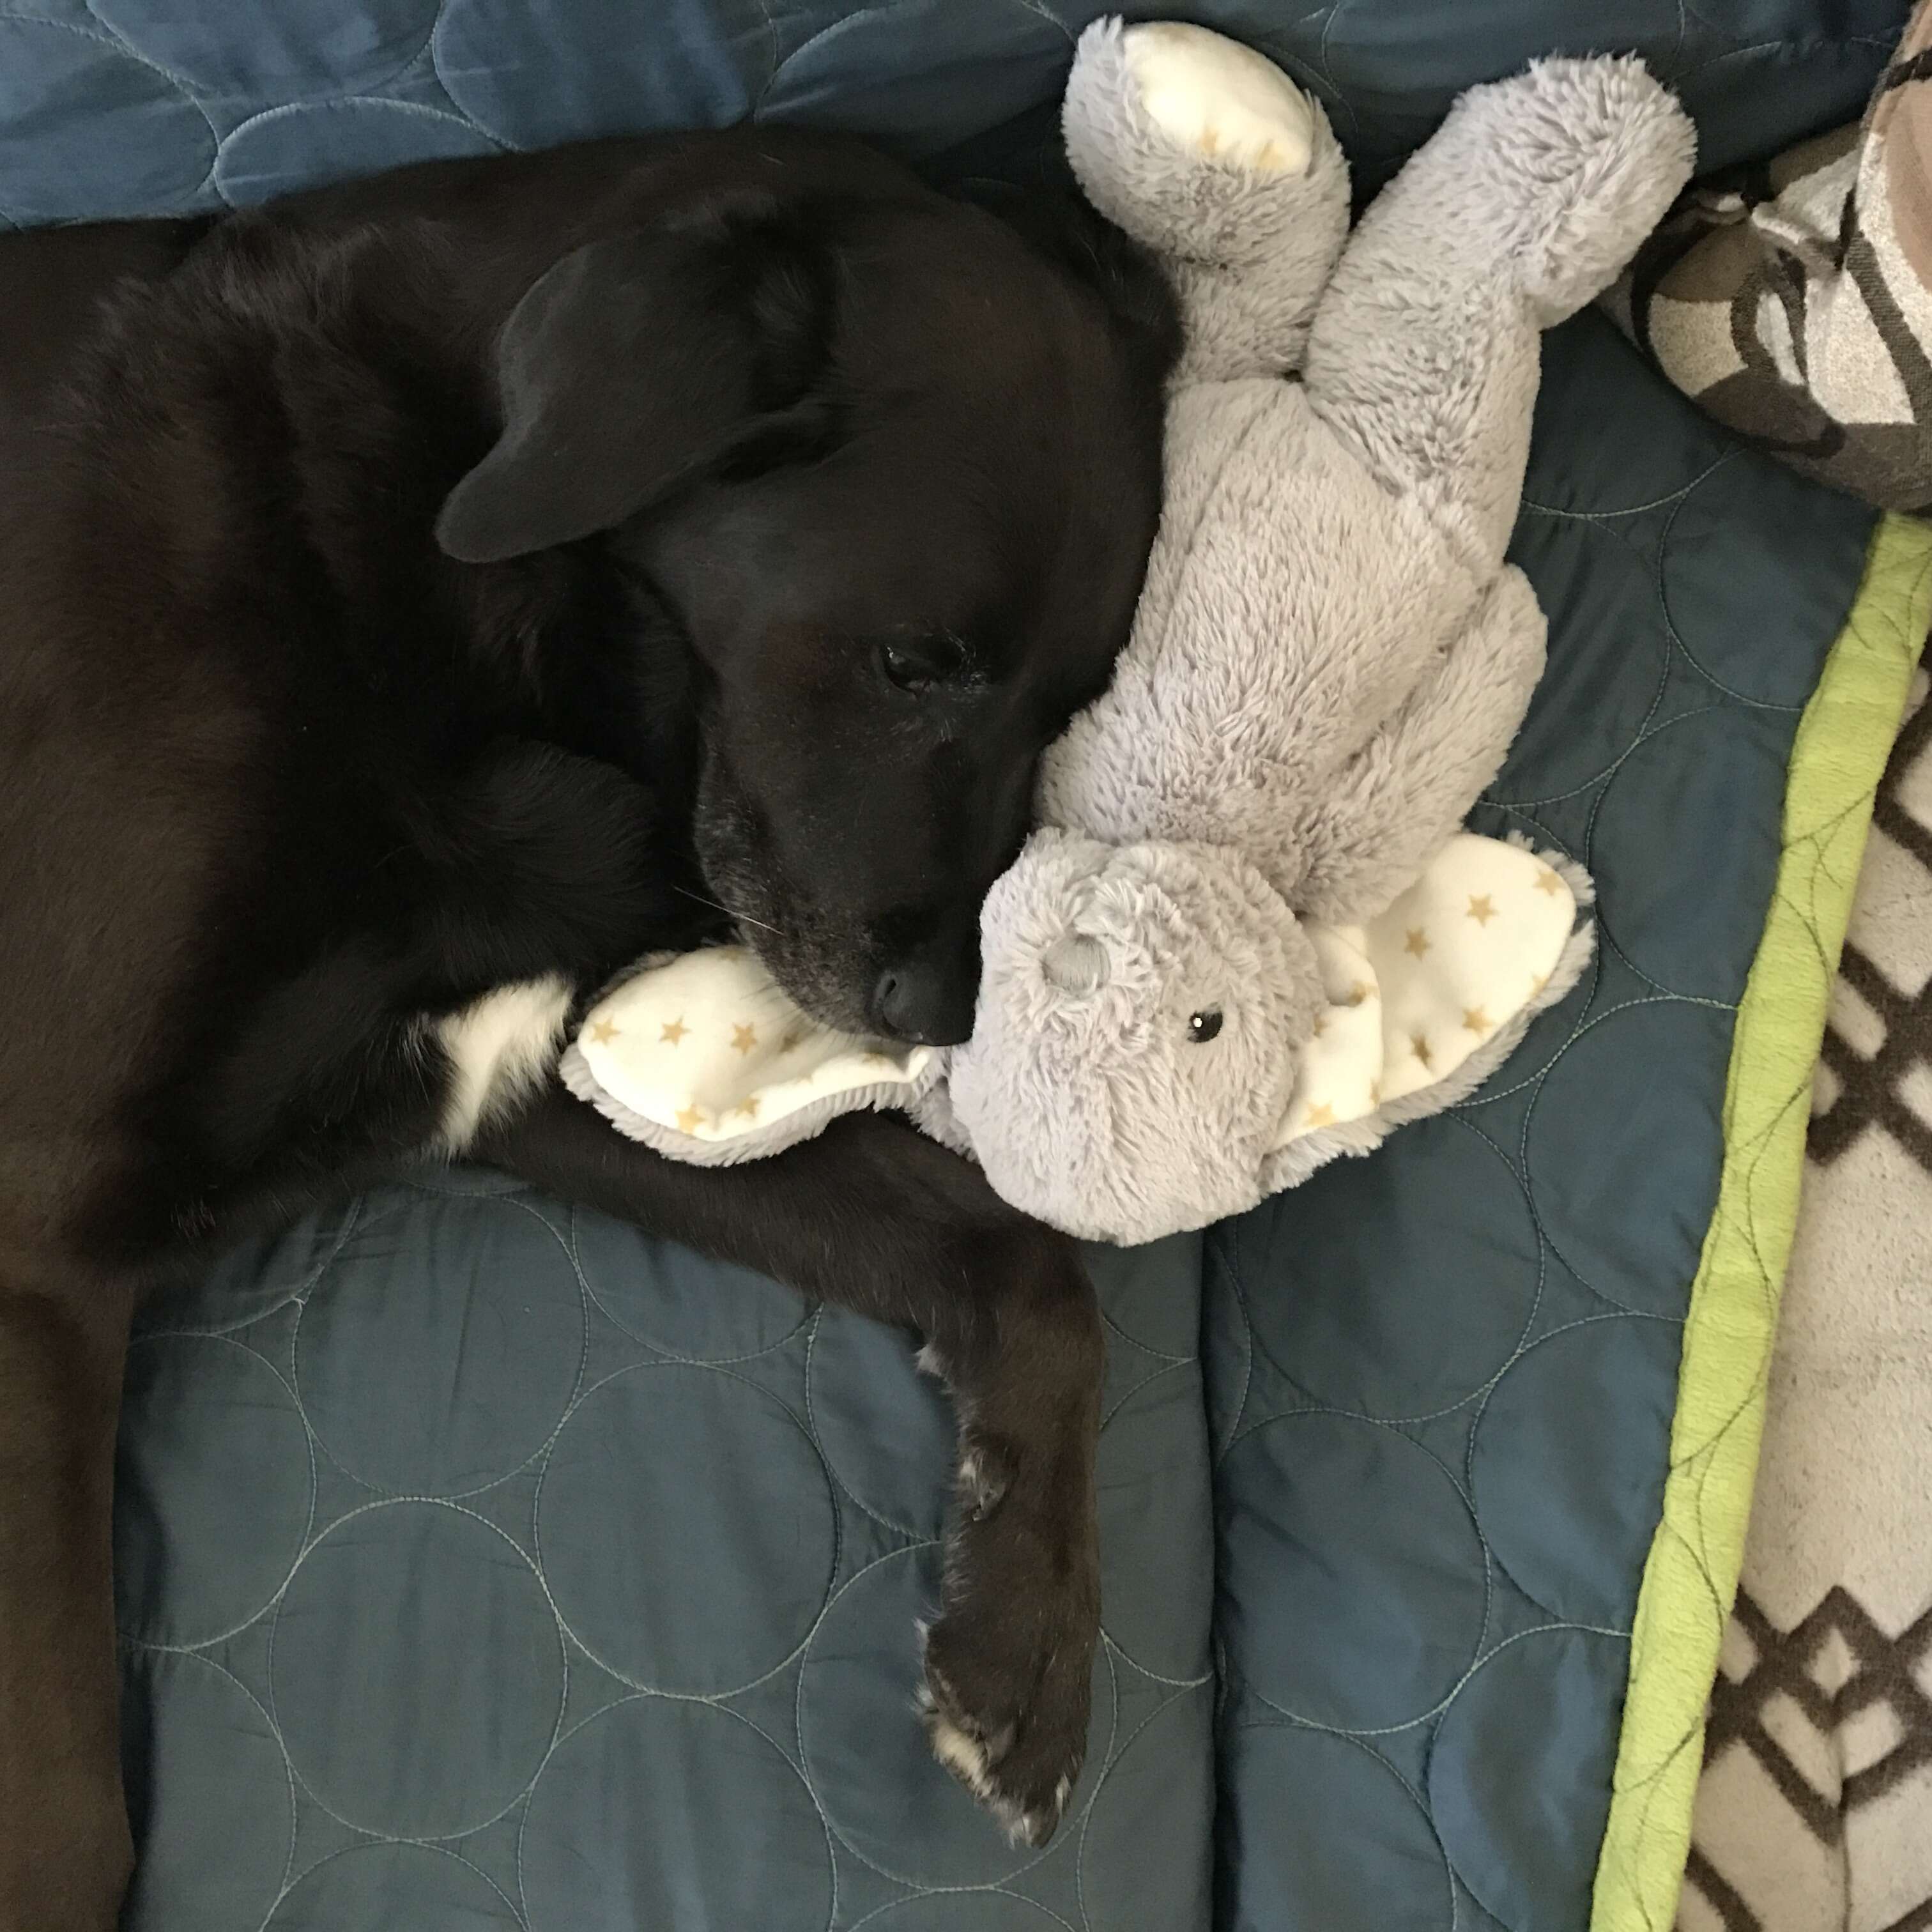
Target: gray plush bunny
column 1329, row 660
column 1330, row 657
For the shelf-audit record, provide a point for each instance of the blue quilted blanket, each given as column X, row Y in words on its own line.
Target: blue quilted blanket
column 118, row 107
column 483, row 1564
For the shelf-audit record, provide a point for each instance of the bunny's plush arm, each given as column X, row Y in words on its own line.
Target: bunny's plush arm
column 1394, row 805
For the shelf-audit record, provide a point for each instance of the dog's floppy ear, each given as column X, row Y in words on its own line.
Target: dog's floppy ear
column 640, row 360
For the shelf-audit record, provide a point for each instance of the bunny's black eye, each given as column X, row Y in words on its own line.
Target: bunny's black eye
column 1202, row 1027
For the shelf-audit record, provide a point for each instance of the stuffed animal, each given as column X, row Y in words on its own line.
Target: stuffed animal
column 1247, row 936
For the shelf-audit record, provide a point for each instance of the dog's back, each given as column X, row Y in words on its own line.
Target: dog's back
column 173, row 705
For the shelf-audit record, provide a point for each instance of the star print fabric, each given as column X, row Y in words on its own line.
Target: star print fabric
column 703, row 1056
column 1415, row 992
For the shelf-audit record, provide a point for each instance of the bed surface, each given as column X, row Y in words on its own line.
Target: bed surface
column 485, row 1564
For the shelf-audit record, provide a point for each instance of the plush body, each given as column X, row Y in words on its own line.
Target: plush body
column 1331, row 656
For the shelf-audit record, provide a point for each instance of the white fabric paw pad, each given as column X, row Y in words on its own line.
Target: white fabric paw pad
column 1218, row 97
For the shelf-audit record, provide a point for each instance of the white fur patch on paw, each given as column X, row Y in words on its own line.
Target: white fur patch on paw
column 965, row 1757
column 968, row 1761
column 971, row 1760
column 500, row 1048
column 1211, row 95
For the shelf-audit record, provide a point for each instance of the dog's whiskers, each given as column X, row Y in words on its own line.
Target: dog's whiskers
column 718, row 905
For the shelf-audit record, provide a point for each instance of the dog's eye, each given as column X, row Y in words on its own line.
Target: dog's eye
column 917, row 663
column 1202, row 1027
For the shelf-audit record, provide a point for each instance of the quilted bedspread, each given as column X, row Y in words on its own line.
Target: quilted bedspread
column 484, row 1564
column 112, row 107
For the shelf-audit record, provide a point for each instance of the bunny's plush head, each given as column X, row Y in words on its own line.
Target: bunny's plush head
column 1135, row 1005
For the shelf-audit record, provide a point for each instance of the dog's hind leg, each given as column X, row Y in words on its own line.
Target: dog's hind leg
column 65, row 1855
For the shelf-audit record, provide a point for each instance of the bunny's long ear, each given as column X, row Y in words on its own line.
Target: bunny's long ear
column 1204, row 151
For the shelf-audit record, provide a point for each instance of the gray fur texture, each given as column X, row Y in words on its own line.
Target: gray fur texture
column 1330, row 657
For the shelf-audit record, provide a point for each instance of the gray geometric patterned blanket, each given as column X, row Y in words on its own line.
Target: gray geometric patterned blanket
column 1815, row 1809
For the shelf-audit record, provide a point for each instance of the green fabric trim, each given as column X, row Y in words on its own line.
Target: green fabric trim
column 1690, row 1577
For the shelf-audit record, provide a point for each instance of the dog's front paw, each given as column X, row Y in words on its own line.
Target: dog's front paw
column 1008, row 1673
column 1212, row 96
column 1011, row 1727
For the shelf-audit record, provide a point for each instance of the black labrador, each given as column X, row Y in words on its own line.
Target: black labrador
column 420, row 599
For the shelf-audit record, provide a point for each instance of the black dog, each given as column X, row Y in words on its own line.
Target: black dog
column 421, row 598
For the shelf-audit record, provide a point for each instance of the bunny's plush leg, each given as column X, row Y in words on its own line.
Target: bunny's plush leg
column 1400, row 800
column 1205, row 150
column 1527, row 201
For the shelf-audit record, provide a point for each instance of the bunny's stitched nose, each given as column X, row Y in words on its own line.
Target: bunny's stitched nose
column 1075, row 965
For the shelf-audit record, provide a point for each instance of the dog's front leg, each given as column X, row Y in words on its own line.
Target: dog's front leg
column 65, row 1852
column 874, row 1217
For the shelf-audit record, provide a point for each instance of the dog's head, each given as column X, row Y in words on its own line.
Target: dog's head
column 894, row 463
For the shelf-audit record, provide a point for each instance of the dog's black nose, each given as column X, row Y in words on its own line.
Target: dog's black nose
column 923, row 1000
